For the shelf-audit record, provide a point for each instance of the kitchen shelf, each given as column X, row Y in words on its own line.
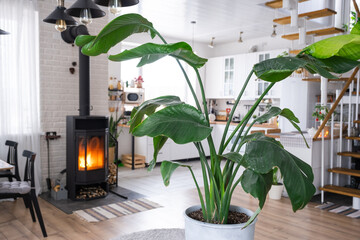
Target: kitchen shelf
column 309, row 15
column 319, row 32
column 278, row 3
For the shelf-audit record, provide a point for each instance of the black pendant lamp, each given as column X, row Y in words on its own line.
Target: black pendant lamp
column 2, row 32
column 60, row 18
column 116, row 5
column 86, row 10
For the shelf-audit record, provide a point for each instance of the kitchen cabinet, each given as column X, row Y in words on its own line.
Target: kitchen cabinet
column 220, row 77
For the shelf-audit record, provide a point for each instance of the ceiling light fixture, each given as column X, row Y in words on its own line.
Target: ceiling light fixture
column 2, row 32
column 86, row 10
column 60, row 18
column 240, row 38
column 211, row 45
column 193, row 35
column 274, row 31
column 116, row 5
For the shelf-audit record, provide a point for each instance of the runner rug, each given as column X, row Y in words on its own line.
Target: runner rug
column 339, row 209
column 115, row 210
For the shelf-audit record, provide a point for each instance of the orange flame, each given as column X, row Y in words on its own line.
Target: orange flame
column 94, row 154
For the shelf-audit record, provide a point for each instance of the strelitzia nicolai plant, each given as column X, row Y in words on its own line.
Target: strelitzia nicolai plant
column 168, row 117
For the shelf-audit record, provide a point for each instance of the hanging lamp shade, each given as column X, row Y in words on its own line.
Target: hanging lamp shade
column 75, row 9
column 2, row 32
column 59, row 14
column 124, row 3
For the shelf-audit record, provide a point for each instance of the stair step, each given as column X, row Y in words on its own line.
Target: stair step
column 295, row 52
column 356, row 121
column 319, row 32
column 341, row 190
column 278, row 3
column 345, row 171
column 353, row 138
column 329, row 80
column 309, row 15
column 349, row 154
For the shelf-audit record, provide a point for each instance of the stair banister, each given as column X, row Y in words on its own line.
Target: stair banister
column 347, row 84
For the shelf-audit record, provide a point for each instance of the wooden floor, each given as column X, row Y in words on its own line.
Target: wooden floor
column 277, row 221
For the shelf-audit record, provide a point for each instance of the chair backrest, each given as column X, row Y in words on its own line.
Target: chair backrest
column 12, row 157
column 29, row 167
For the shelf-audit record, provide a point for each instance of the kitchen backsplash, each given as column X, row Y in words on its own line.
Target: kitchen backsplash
column 243, row 107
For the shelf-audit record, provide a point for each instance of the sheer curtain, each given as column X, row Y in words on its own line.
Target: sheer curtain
column 19, row 80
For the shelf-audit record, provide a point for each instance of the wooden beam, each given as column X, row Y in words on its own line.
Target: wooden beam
column 349, row 154
column 309, row 15
column 341, row 190
column 347, row 84
column 278, row 3
column 319, row 32
column 345, row 171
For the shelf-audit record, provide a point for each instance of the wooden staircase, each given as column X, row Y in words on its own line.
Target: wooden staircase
column 309, row 15
column 351, row 192
column 316, row 33
column 279, row 3
column 317, row 79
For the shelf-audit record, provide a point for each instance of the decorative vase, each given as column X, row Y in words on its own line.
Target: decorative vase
column 196, row 230
column 139, row 84
column 276, row 191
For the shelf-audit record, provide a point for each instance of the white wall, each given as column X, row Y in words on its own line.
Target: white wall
column 59, row 90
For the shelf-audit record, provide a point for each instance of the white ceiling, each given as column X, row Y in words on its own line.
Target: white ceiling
column 222, row 19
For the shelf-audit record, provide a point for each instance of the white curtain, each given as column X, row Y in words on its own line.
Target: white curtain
column 19, row 80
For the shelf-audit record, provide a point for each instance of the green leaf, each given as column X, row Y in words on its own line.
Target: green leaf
column 84, row 39
column 339, row 64
column 289, row 115
column 258, row 185
column 182, row 123
column 167, row 169
column 264, row 153
column 233, row 156
column 151, row 52
column 316, row 66
column 158, row 143
column 148, row 107
column 346, row 46
column 277, row 69
column 356, row 29
column 113, row 33
column 273, row 112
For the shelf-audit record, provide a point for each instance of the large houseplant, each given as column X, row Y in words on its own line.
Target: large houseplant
column 184, row 123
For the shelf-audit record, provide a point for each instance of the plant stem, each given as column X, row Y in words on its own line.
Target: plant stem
column 183, row 71
column 222, row 148
column 247, row 116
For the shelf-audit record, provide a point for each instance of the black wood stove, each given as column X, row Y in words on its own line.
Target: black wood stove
column 86, row 155
column 87, row 138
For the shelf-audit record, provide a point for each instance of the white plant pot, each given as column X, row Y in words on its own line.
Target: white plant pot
column 196, row 230
column 276, row 191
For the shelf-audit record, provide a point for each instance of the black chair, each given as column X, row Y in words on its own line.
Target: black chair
column 25, row 189
column 12, row 158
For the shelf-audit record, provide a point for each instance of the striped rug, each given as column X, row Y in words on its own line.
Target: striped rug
column 339, row 209
column 115, row 210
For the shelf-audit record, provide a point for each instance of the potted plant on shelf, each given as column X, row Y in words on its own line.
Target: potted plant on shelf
column 276, row 187
column 169, row 117
column 113, row 130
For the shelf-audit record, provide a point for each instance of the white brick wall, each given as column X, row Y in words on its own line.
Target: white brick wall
column 59, row 90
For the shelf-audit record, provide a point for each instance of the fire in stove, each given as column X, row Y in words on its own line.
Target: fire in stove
column 94, row 151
